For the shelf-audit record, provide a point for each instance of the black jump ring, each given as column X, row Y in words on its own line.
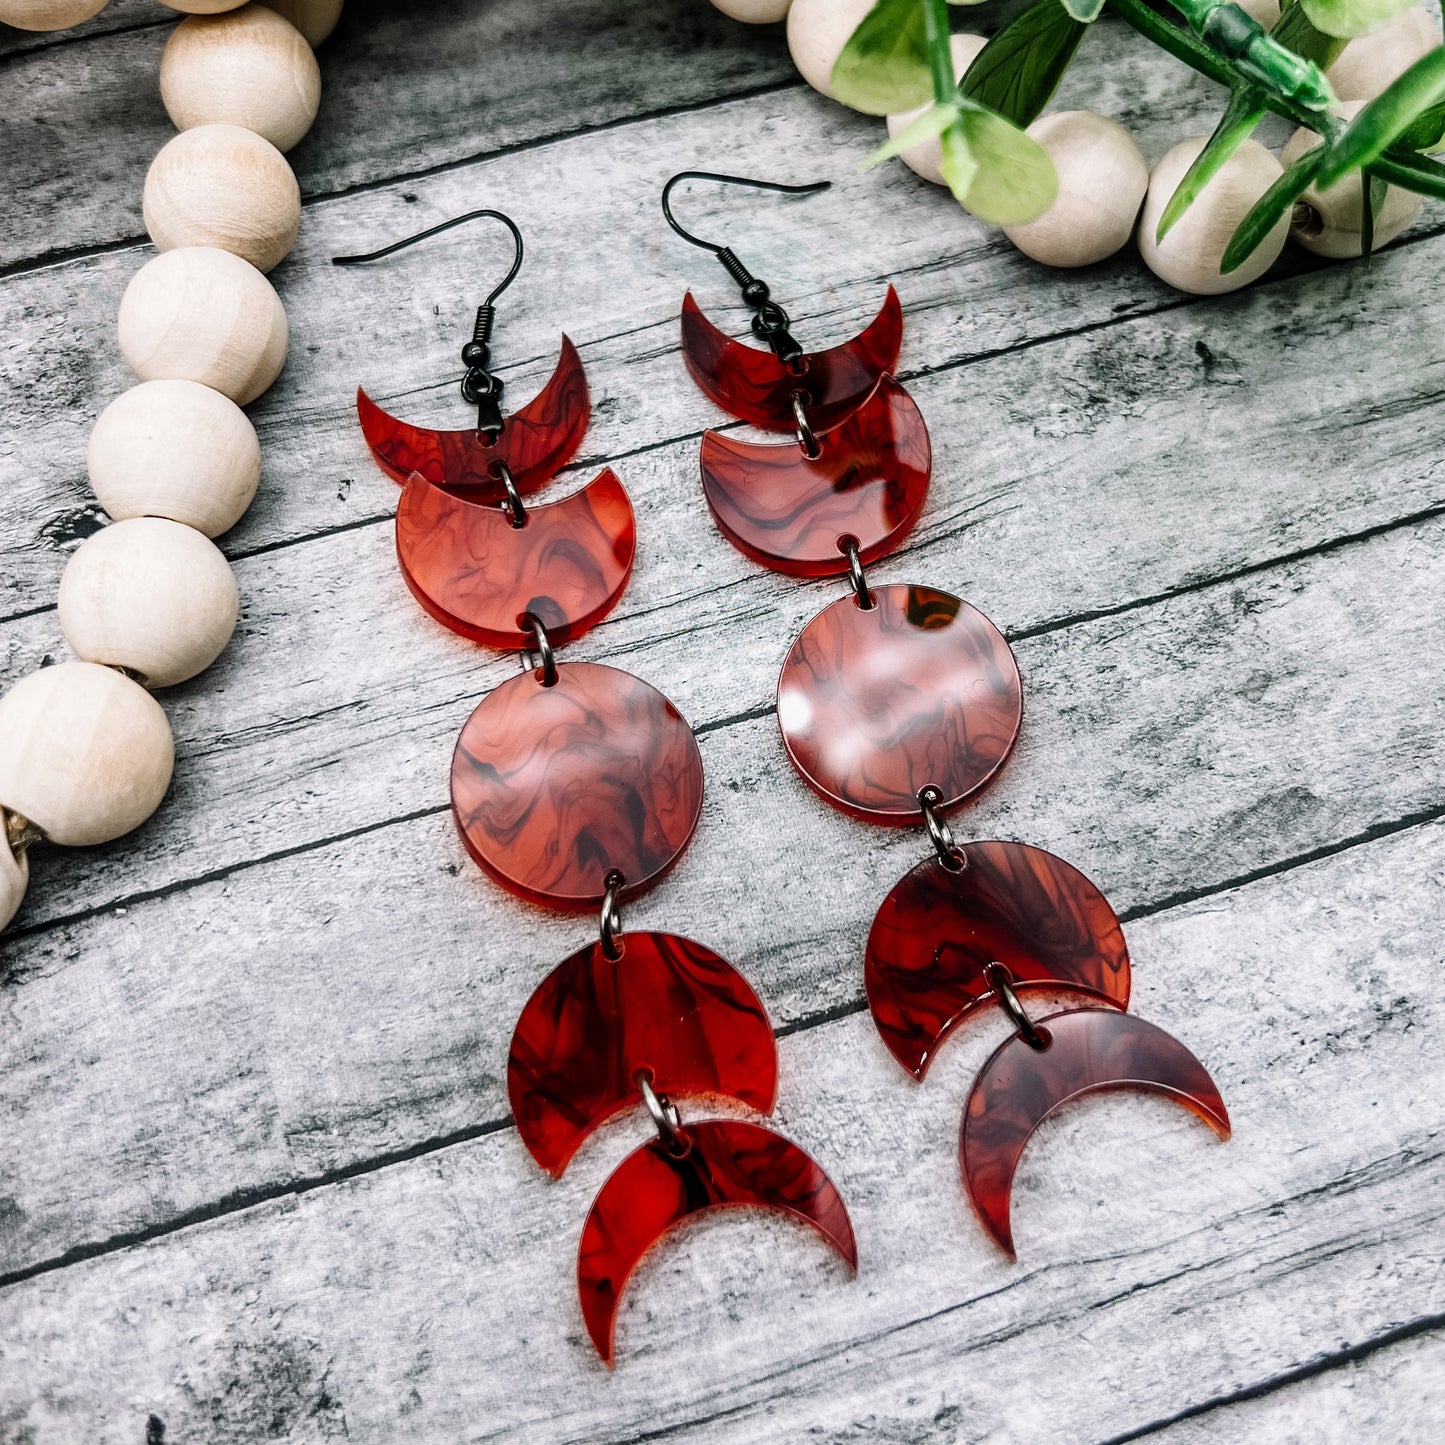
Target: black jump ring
column 513, row 503
column 807, row 438
column 665, row 1118
column 1001, row 981
column 545, row 655
column 609, row 927
column 849, row 548
column 939, row 833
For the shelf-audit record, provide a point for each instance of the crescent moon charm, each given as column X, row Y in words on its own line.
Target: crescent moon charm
column 1089, row 1050
column 666, row 1005
column 535, row 442
column 478, row 574
column 756, row 387
column 786, row 510
column 723, row 1162
column 938, row 930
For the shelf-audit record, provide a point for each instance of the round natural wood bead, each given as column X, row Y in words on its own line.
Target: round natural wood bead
column 1102, row 180
column 817, row 32
column 85, row 753
column 248, row 67
column 202, row 7
column 151, row 596
column 48, row 14
column 14, row 877
column 222, row 185
column 1265, row 11
column 1369, row 63
column 175, row 449
column 1190, row 255
column 926, row 158
column 201, row 314
column 754, row 12
column 315, row 19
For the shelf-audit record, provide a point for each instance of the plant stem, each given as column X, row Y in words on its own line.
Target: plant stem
column 940, row 52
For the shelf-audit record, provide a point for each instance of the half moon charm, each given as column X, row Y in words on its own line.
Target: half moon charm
column 719, row 1163
column 788, row 511
column 1088, row 1050
column 938, row 930
column 756, row 387
column 666, row 1006
column 477, row 573
column 534, row 445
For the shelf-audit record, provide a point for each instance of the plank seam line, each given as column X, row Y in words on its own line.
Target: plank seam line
column 240, row 1200
column 63, row 42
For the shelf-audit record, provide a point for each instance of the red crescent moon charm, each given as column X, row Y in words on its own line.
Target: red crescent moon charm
column 535, row 442
column 788, row 511
column 938, row 930
column 1089, row 1050
column 667, row 1005
column 724, row 1162
column 756, row 387
column 467, row 565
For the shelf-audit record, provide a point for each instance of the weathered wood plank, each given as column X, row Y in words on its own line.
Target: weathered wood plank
column 118, row 15
column 410, row 1303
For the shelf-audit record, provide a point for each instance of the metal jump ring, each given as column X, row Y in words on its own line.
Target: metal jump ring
column 503, row 473
column 609, row 927
column 1001, row 981
column 939, row 833
column 849, row 547
column 544, row 651
column 665, row 1117
column 807, row 438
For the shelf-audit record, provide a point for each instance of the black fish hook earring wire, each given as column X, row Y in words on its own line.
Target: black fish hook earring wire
column 898, row 702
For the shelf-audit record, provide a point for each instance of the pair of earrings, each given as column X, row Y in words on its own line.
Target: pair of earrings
column 577, row 785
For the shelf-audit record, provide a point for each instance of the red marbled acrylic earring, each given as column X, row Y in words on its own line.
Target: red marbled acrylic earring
column 898, row 702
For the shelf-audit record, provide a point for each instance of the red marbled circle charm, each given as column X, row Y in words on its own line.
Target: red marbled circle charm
column 877, row 703
column 554, row 787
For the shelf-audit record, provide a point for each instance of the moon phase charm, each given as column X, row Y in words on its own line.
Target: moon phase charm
column 718, row 1163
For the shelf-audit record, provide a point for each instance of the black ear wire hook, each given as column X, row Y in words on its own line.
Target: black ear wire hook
column 770, row 321
column 480, row 386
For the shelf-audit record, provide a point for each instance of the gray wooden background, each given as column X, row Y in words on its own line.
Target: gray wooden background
column 257, row 1176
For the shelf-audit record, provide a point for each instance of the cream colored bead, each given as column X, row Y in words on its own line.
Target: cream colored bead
column 48, row 14
column 1370, row 62
column 1332, row 226
column 817, row 32
column 85, row 753
column 315, row 19
column 1102, row 180
column 175, row 449
column 754, row 12
column 927, row 158
column 202, row 314
column 151, row 596
column 14, row 878
column 1265, row 11
column 202, row 7
column 1190, row 256
column 223, row 185
column 248, row 67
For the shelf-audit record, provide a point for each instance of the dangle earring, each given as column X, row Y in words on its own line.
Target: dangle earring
column 896, row 703
column 577, row 786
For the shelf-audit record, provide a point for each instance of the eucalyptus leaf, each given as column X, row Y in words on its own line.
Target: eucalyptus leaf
column 933, row 122
column 958, row 165
column 1390, row 114
column 1265, row 213
column 1348, row 18
column 884, row 66
column 1017, row 72
column 1014, row 180
column 1245, row 110
column 1295, row 29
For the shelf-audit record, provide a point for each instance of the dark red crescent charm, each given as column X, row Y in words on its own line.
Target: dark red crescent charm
column 535, row 443
column 724, row 1162
column 1089, row 1050
column 938, row 931
column 555, row 786
column 668, row 1006
column 789, row 511
column 756, row 387
column 567, row 564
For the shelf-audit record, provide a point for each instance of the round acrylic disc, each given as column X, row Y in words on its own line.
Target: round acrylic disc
column 877, row 703
column 555, row 787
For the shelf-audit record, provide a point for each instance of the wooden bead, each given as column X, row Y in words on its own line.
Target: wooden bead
column 1370, row 62
column 149, row 595
column 754, row 12
column 1102, row 180
column 817, row 32
column 175, row 449
column 315, row 19
column 248, row 67
column 1335, row 216
column 202, row 7
column 201, row 314
column 927, row 158
column 1265, row 11
column 1190, row 256
column 48, row 14
column 14, row 877
column 85, row 753
column 222, row 185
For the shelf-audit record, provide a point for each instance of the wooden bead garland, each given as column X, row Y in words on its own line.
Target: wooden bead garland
column 1370, row 62
column 754, row 12
column 202, row 7
column 926, row 158
column 315, row 19
column 14, row 875
column 48, row 14
column 817, row 32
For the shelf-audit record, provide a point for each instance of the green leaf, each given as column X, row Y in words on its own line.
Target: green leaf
column 958, row 166
column 1017, row 72
column 1415, row 173
column 1084, row 11
column 1386, row 117
column 1012, row 179
column 934, row 121
column 1369, row 214
column 1245, row 110
column 884, row 66
column 1347, row 18
column 1266, row 211
column 1293, row 28
column 1426, row 131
